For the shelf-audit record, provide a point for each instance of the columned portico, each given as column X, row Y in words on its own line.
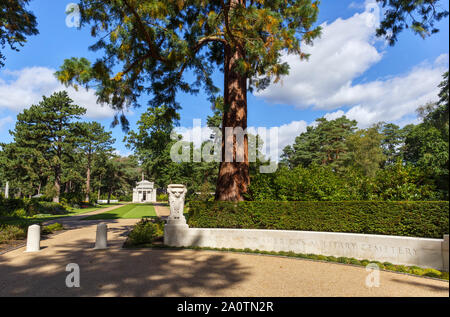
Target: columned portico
column 144, row 192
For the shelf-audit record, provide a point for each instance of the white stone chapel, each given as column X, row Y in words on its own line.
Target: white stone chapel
column 144, row 192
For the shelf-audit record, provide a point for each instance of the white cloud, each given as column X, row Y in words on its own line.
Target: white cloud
column 273, row 146
column 356, row 5
column 26, row 87
column 346, row 51
column 391, row 99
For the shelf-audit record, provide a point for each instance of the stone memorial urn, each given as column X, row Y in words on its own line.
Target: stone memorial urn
column 177, row 194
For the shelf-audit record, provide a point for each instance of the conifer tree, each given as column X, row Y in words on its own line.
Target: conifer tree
column 92, row 140
column 324, row 144
column 47, row 129
column 418, row 15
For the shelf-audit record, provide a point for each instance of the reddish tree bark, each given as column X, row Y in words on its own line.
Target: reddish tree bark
column 234, row 179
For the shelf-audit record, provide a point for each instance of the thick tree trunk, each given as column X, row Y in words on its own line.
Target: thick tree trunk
column 233, row 180
column 99, row 189
column 58, row 170
column 88, row 180
column 57, row 188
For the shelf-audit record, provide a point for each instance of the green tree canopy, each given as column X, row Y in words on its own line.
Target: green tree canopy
column 92, row 140
column 16, row 23
column 323, row 144
column 366, row 153
column 45, row 131
column 417, row 15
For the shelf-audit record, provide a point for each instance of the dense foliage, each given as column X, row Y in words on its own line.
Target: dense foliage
column 145, row 232
column 29, row 207
column 57, row 156
column 333, row 160
column 416, row 219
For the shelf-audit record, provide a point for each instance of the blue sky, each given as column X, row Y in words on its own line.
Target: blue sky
column 350, row 72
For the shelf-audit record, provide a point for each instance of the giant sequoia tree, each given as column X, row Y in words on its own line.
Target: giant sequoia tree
column 154, row 43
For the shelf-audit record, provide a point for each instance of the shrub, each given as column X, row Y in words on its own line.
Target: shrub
column 29, row 207
column 416, row 219
column 52, row 208
column 146, row 231
column 128, row 197
column 52, row 228
column 11, row 232
column 19, row 213
column 321, row 183
column 162, row 197
column 432, row 273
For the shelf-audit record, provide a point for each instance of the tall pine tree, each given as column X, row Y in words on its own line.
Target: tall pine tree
column 92, row 140
column 47, row 129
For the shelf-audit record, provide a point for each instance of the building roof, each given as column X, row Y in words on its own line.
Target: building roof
column 145, row 184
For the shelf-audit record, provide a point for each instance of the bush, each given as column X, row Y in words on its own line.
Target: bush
column 10, row 232
column 128, row 197
column 146, row 231
column 162, row 197
column 320, row 183
column 415, row 219
column 18, row 231
column 29, row 207
column 51, row 208
column 52, row 228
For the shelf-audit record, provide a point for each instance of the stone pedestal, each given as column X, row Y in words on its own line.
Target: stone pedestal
column 176, row 226
column 33, row 238
column 101, row 240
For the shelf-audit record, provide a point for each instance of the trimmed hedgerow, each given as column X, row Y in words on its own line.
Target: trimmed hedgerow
column 413, row 218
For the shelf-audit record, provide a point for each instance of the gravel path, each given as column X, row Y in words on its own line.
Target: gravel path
column 162, row 209
column 145, row 272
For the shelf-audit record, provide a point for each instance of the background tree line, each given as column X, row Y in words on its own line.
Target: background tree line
column 56, row 155
column 333, row 160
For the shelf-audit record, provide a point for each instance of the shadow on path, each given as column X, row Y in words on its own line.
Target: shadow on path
column 119, row 272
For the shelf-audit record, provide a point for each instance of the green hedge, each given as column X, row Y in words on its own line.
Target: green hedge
column 416, row 219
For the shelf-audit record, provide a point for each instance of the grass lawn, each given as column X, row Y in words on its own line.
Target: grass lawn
column 131, row 211
column 47, row 217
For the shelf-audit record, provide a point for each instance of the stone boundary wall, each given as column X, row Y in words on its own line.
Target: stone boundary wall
column 427, row 253
column 106, row 201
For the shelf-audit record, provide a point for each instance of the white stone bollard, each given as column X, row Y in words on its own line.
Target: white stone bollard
column 34, row 238
column 101, row 240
